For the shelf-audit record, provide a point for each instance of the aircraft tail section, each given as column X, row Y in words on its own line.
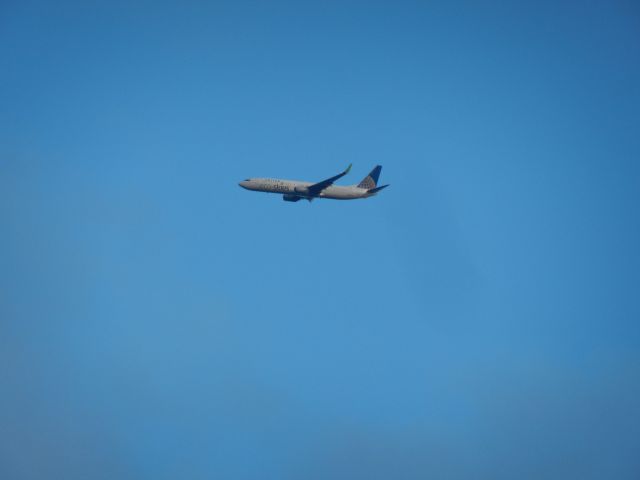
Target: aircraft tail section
column 371, row 180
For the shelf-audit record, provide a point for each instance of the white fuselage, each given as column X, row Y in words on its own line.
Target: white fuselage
column 297, row 188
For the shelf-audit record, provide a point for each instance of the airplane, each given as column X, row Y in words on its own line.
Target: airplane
column 293, row 190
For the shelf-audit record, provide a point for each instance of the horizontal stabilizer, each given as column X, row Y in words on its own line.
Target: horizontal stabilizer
column 377, row 189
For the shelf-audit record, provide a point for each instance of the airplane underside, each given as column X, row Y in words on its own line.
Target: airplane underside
column 294, row 198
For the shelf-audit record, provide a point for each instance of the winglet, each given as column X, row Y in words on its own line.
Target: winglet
column 348, row 169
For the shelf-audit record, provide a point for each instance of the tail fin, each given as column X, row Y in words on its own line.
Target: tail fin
column 371, row 180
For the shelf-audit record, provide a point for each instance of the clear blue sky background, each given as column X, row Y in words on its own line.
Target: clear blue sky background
column 478, row 319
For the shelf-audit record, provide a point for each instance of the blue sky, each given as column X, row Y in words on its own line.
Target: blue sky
column 478, row 319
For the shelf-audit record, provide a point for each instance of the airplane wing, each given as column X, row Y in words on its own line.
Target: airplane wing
column 316, row 188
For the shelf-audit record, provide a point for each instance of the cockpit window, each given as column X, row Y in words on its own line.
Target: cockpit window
column 247, row 179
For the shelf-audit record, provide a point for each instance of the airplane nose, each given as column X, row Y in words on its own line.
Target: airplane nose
column 244, row 184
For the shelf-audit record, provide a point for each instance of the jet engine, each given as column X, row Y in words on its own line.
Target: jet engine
column 290, row 198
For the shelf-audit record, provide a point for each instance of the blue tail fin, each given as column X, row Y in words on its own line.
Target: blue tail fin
column 371, row 180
